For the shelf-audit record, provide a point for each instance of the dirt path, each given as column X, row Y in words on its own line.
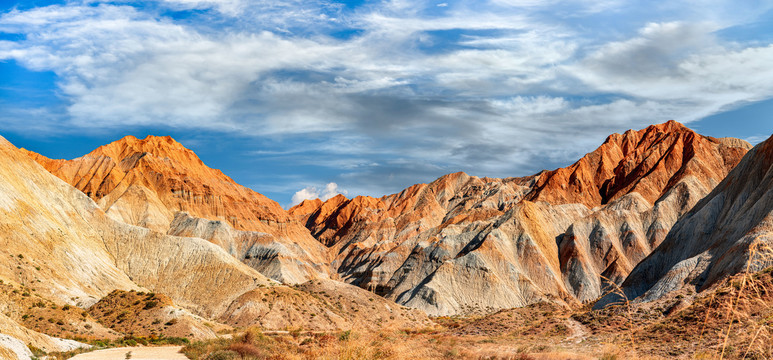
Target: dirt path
column 579, row 332
column 137, row 353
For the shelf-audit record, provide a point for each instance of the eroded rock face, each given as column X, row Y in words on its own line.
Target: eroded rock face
column 54, row 233
column 287, row 262
column 146, row 182
column 649, row 162
column 726, row 231
column 466, row 244
column 58, row 234
column 612, row 240
column 46, row 234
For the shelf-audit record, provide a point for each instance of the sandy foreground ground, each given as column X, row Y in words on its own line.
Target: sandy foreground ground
column 137, row 353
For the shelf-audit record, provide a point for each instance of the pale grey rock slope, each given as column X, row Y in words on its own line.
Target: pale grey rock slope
column 145, row 182
column 58, row 241
column 464, row 244
column 604, row 247
column 283, row 261
column 12, row 348
column 83, row 254
column 726, row 232
column 484, row 266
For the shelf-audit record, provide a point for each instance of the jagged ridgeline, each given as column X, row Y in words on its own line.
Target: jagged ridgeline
column 147, row 182
column 63, row 252
column 727, row 232
column 458, row 245
column 466, row 244
column 140, row 237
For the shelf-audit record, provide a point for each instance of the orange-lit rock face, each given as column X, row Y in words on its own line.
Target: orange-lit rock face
column 58, row 240
column 648, row 161
column 59, row 236
column 146, row 182
column 463, row 243
column 723, row 234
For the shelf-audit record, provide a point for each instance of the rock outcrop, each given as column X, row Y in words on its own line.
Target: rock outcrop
column 648, row 162
column 12, row 335
column 283, row 261
column 47, row 233
column 61, row 245
column 658, row 180
column 53, row 232
column 727, row 232
column 146, row 182
column 466, row 244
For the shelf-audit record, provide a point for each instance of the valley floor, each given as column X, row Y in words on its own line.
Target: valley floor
column 730, row 321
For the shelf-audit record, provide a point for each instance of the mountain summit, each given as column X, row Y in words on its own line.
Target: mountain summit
column 143, row 182
column 468, row 244
column 649, row 162
column 159, row 184
column 727, row 232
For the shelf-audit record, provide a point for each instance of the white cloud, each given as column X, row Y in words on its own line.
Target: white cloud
column 230, row 7
column 680, row 65
column 311, row 192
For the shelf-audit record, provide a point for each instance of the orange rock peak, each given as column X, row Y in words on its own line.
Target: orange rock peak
column 646, row 161
column 176, row 178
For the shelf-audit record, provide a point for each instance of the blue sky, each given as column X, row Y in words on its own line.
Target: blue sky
column 301, row 99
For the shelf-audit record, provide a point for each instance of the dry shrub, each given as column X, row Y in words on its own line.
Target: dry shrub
column 222, row 355
column 247, row 350
column 741, row 309
column 253, row 335
column 625, row 303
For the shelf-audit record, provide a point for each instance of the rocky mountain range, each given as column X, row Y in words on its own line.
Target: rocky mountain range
column 725, row 233
column 557, row 235
column 467, row 244
column 146, row 221
column 60, row 246
column 147, row 182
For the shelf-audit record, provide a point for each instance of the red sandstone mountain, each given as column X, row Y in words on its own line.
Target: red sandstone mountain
column 459, row 244
column 62, row 254
column 464, row 243
column 146, row 182
column 649, row 162
column 727, row 232
column 124, row 170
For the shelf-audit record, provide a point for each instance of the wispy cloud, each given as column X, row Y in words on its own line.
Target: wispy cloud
column 756, row 139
